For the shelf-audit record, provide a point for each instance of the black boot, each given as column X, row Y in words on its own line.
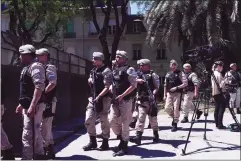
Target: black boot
column 149, row 126
column 133, row 123
column 118, row 137
column 238, row 111
column 174, row 127
column 155, row 136
column 184, row 120
column 123, row 149
column 121, row 143
column 172, row 123
column 50, row 152
column 8, row 155
column 92, row 144
column 199, row 113
column 45, row 150
column 104, row 145
column 137, row 139
column 40, row 157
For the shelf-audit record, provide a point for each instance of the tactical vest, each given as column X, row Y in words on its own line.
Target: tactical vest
column 27, row 88
column 235, row 79
column 122, row 83
column 51, row 94
column 190, row 87
column 173, row 80
column 141, row 88
column 99, row 80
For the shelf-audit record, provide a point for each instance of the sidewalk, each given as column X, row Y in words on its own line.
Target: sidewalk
column 63, row 131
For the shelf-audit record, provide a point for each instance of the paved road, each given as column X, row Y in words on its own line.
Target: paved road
column 220, row 144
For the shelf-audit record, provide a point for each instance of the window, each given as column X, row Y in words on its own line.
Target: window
column 114, row 29
column 111, row 30
column 70, row 26
column 136, row 27
column 92, row 29
column 70, row 33
column 161, row 54
column 136, row 52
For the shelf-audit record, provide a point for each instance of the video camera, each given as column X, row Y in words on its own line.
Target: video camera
column 201, row 60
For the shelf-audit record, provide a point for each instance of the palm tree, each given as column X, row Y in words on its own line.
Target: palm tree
column 196, row 22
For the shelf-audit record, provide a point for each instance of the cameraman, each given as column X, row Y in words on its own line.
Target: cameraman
column 217, row 81
column 233, row 84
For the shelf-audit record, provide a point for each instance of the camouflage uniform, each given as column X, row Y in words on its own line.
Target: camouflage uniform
column 173, row 99
column 144, row 106
column 50, row 108
column 103, row 79
column 120, row 114
column 189, row 93
column 36, row 72
column 233, row 86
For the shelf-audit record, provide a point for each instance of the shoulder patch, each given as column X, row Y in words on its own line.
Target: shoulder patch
column 130, row 71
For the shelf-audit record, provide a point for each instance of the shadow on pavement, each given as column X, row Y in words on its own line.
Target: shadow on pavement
column 194, row 129
column 164, row 127
column 76, row 157
column 202, row 150
column 146, row 153
column 174, row 143
column 203, row 121
column 69, row 140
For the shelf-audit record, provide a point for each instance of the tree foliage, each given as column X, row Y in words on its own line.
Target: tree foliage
column 196, row 22
column 109, row 7
column 38, row 21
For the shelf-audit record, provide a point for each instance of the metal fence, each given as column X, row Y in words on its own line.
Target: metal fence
column 64, row 61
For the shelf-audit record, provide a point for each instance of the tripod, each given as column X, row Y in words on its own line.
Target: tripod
column 204, row 96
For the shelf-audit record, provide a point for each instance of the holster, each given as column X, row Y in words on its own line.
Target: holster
column 48, row 111
column 232, row 89
column 25, row 102
column 99, row 105
column 153, row 111
column 143, row 99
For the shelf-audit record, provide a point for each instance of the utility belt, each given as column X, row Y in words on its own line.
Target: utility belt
column 177, row 91
column 186, row 91
column 143, row 99
column 25, row 102
column 232, row 88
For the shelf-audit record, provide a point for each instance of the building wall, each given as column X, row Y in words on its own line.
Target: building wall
column 85, row 44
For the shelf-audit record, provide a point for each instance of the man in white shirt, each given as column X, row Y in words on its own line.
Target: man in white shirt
column 218, row 83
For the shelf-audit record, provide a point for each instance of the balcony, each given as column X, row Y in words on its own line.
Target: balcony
column 93, row 33
column 70, row 35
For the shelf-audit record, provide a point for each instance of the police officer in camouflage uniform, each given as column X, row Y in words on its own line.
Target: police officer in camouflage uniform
column 43, row 56
column 233, row 85
column 6, row 147
column 144, row 107
column 175, row 81
column 31, row 104
column 124, row 84
column 135, row 113
column 190, row 91
column 100, row 80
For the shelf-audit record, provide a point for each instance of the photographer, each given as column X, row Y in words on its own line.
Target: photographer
column 217, row 81
column 233, row 84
